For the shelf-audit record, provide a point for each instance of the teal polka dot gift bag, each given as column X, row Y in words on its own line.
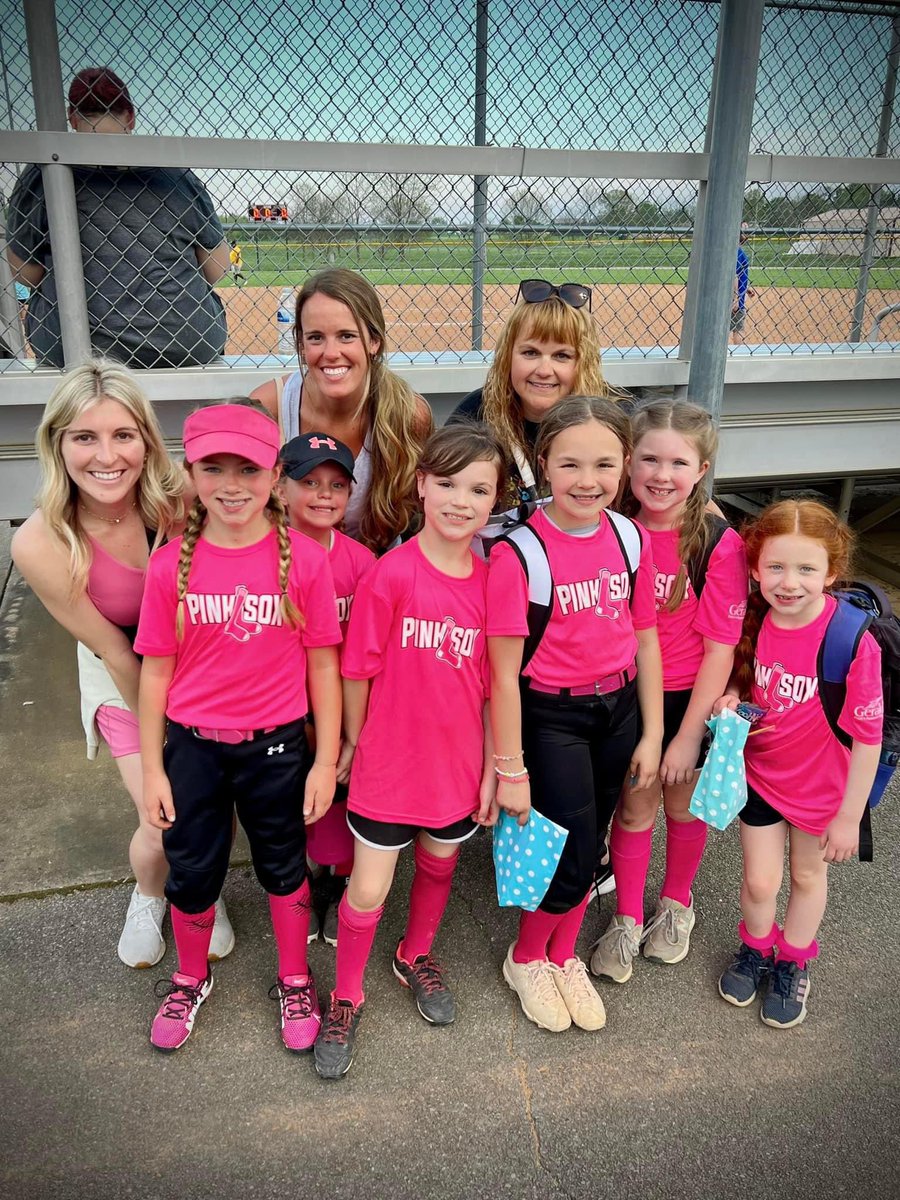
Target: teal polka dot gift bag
column 721, row 790
column 525, row 858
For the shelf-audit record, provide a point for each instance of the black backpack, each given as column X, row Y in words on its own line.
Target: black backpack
column 863, row 607
column 698, row 563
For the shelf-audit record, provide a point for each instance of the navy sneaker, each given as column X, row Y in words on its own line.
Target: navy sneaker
column 425, row 978
column 787, row 990
column 741, row 982
column 334, row 1045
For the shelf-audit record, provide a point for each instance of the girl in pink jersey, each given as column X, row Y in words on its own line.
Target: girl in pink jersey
column 801, row 781
column 316, row 482
column 415, row 688
column 700, row 603
column 237, row 626
column 565, row 721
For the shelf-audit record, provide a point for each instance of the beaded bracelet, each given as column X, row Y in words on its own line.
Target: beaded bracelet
column 507, row 757
column 509, row 774
column 513, row 779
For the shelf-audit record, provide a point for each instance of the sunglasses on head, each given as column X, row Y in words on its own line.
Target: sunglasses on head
column 534, row 291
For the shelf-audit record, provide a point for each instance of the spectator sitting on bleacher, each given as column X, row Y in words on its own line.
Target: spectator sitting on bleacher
column 151, row 244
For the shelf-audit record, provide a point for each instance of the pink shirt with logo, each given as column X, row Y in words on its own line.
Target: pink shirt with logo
column 239, row 665
column 418, row 634
column 591, row 631
column 349, row 562
column 717, row 615
column 799, row 766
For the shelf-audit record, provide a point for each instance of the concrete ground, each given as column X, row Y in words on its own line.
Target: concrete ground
column 681, row 1096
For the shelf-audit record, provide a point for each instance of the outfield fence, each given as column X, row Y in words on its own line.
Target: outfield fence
column 446, row 149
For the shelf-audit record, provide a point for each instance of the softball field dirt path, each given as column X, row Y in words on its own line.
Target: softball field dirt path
column 435, row 317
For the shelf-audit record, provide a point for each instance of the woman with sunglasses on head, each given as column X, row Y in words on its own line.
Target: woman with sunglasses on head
column 345, row 388
column 547, row 350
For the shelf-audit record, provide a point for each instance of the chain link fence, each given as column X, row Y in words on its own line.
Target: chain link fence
column 165, row 287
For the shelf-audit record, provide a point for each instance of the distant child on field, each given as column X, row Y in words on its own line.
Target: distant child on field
column 236, row 261
column 700, row 584
column 316, row 482
column 416, row 683
column 237, row 627
column 801, row 780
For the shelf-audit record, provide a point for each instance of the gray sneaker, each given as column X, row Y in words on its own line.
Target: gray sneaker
column 617, row 949
column 142, row 943
column 667, row 938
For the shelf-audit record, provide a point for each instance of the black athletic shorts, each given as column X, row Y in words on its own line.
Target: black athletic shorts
column 758, row 812
column 392, row 835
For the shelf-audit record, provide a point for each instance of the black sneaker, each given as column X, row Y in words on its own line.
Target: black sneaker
column 787, row 990
column 334, row 1045
column 424, row 977
column 741, row 982
column 604, row 880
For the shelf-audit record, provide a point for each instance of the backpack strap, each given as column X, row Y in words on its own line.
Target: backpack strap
column 838, row 649
column 698, row 564
column 628, row 535
column 529, row 548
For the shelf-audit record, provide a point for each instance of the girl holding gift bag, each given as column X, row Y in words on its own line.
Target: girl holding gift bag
column 564, row 705
column 415, row 689
column 802, row 782
column 700, row 585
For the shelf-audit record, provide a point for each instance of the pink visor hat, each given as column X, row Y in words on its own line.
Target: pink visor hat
column 232, row 429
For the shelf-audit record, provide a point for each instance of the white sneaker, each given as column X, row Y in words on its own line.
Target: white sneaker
column 142, row 943
column 535, row 985
column 222, row 941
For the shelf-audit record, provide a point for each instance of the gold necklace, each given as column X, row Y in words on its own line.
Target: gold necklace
column 109, row 520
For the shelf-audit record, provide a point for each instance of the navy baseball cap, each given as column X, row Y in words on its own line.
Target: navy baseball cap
column 302, row 454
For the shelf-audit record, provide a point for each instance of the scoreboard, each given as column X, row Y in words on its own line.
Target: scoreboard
column 267, row 212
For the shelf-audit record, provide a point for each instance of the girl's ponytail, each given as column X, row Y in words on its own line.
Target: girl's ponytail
column 289, row 610
column 745, row 651
column 189, row 538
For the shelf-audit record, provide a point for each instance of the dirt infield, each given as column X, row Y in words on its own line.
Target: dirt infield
column 436, row 317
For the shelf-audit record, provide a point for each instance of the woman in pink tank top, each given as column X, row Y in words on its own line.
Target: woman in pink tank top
column 109, row 491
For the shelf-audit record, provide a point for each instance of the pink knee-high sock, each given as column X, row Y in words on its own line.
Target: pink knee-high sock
column 428, row 898
column 631, row 861
column 562, row 940
column 685, row 843
column 290, row 924
column 798, row 954
column 763, row 944
column 535, row 931
column 356, row 932
column 193, row 932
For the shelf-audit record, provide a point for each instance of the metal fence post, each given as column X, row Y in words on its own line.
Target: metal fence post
column 480, row 194
column 741, row 30
column 881, row 149
column 689, row 316
column 59, row 184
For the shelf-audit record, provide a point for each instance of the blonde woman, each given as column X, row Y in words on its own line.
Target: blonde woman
column 547, row 350
column 109, row 493
column 345, row 388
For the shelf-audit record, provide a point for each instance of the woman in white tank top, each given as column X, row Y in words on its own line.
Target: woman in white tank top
column 345, row 389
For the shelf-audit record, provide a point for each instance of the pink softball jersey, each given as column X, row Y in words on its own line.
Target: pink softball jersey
column 798, row 765
column 239, row 665
column 349, row 562
column 418, row 635
column 591, row 631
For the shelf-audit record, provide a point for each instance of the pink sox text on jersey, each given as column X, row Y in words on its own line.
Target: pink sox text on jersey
column 418, row 634
column 349, row 562
column 239, row 665
column 717, row 615
column 799, row 766
column 591, row 631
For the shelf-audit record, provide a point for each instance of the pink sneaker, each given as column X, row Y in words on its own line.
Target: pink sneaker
column 173, row 1023
column 300, row 1015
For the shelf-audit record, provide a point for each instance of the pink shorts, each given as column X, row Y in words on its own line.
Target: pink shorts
column 119, row 727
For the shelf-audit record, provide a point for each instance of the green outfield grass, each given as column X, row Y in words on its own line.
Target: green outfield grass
column 434, row 261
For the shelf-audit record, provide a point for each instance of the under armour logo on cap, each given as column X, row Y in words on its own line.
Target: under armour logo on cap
column 316, row 443
column 308, row 451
